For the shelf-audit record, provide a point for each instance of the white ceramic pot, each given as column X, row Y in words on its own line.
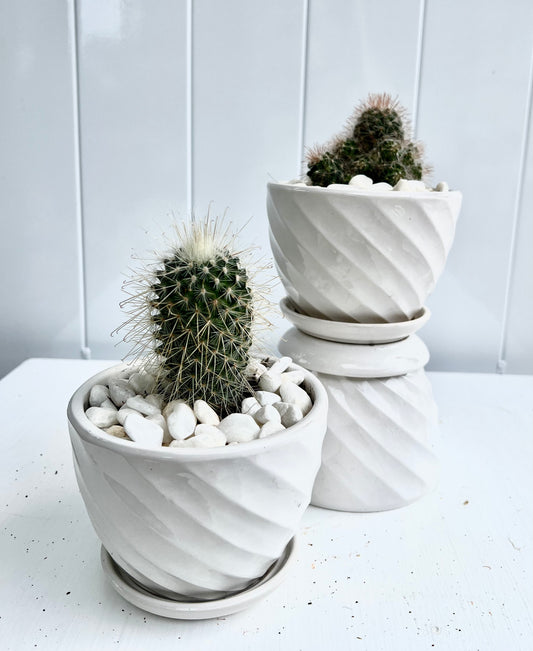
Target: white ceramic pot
column 196, row 523
column 360, row 255
column 379, row 450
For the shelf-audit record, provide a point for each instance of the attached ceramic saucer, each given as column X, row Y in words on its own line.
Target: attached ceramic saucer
column 133, row 592
column 353, row 333
column 354, row 360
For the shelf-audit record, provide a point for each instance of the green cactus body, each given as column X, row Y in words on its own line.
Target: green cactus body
column 195, row 313
column 376, row 146
column 202, row 316
column 375, row 125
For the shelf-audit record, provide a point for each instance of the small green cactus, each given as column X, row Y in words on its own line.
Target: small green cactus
column 195, row 311
column 376, row 143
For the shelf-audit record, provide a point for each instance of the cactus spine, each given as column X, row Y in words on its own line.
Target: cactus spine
column 376, row 143
column 195, row 311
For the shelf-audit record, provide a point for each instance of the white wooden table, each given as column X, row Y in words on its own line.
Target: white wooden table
column 453, row 571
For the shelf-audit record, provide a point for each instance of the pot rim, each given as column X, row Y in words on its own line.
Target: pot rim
column 317, row 189
column 93, row 434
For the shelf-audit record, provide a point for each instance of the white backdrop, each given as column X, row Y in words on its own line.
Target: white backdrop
column 117, row 117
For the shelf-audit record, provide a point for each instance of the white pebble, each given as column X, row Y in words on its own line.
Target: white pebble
column 160, row 420
column 118, row 431
column 270, row 427
column 360, row 181
column 141, row 405
column 201, row 441
column 143, row 431
column 102, row 417
column 442, row 187
column 281, row 365
column 123, row 412
column 239, row 428
column 295, row 395
column 108, row 404
column 270, row 381
column 250, row 406
column 208, row 436
column 410, row 185
column 381, row 186
column 181, row 421
column 142, row 382
column 120, row 391
column 204, row 413
column 98, row 394
column 267, row 413
column 297, row 377
column 338, row 186
column 187, row 443
column 290, row 414
column 169, row 408
column 155, row 399
column 266, row 398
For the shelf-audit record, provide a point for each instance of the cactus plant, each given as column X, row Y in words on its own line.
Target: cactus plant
column 195, row 311
column 376, row 143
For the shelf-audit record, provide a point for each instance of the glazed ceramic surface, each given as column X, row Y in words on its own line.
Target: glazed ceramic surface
column 196, row 523
column 365, row 256
column 353, row 333
column 354, row 360
column 130, row 590
column 379, row 451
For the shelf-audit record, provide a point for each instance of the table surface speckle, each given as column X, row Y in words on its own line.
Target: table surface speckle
column 452, row 571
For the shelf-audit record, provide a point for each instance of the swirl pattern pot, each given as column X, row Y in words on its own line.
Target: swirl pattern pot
column 379, row 450
column 355, row 255
column 196, row 523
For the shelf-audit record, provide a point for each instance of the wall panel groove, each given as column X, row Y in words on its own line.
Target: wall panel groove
column 85, row 351
column 517, row 213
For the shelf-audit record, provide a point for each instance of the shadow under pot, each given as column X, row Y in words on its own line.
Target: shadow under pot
column 379, row 450
column 196, row 524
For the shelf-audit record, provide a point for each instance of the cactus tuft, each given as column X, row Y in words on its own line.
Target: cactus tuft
column 376, row 143
column 195, row 312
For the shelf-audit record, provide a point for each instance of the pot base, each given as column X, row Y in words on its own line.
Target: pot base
column 132, row 591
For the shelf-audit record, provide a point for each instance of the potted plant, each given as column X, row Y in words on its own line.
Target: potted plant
column 359, row 243
column 196, row 461
column 361, row 238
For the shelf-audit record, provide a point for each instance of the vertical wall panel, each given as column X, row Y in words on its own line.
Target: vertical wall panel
column 519, row 335
column 473, row 97
column 355, row 48
column 246, row 81
column 132, row 60
column 38, row 246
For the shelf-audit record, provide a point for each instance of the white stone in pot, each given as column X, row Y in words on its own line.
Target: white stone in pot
column 204, row 413
column 142, row 405
column 143, row 431
column 102, row 417
column 295, row 395
column 239, row 428
column 181, row 421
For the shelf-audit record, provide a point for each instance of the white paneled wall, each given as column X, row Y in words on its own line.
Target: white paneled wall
column 160, row 107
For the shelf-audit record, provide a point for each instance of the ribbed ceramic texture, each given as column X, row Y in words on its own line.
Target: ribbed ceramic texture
column 378, row 451
column 195, row 526
column 370, row 257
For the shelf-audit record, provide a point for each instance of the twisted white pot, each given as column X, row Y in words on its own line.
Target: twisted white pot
column 379, row 451
column 196, row 523
column 356, row 255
